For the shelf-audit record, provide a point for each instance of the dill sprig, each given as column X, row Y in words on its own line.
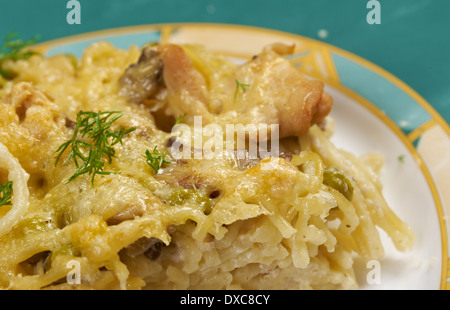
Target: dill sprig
column 156, row 159
column 15, row 49
column 6, row 193
column 180, row 119
column 98, row 143
column 241, row 86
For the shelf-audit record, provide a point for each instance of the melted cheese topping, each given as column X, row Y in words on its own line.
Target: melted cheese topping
column 198, row 223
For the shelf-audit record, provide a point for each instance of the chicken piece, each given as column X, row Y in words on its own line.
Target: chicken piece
column 278, row 91
column 187, row 89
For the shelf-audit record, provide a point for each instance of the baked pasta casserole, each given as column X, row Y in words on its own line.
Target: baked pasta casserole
column 129, row 169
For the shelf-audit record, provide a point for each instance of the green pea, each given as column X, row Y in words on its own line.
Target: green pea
column 184, row 195
column 336, row 179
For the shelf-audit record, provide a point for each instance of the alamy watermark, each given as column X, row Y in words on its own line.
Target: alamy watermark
column 250, row 141
column 74, row 274
column 213, row 141
column 74, row 15
column 374, row 15
column 373, row 276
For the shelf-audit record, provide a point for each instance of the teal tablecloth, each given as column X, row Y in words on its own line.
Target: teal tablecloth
column 412, row 41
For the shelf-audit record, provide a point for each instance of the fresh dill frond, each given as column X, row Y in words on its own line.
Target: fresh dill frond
column 241, row 86
column 6, row 193
column 15, row 49
column 180, row 119
column 98, row 143
column 156, row 159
